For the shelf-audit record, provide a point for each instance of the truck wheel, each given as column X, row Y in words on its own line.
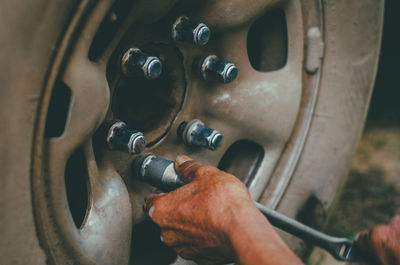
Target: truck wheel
column 291, row 120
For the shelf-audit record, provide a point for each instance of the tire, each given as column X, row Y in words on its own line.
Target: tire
column 31, row 36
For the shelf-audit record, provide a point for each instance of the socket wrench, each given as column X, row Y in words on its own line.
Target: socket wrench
column 160, row 173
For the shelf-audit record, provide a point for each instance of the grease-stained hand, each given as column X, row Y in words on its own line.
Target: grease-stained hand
column 213, row 218
column 382, row 243
column 195, row 219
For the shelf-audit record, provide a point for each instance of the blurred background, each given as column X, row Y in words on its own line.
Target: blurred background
column 372, row 192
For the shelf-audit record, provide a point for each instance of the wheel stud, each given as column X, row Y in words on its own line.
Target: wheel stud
column 186, row 30
column 211, row 68
column 120, row 137
column 134, row 61
column 194, row 133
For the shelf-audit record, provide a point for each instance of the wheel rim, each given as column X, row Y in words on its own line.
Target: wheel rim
column 278, row 124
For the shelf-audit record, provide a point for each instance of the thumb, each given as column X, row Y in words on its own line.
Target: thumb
column 180, row 159
column 186, row 168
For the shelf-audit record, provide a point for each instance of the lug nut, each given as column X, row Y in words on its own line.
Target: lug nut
column 186, row 30
column 120, row 137
column 134, row 61
column 194, row 133
column 211, row 68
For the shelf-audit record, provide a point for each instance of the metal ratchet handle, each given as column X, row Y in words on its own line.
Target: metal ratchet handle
column 161, row 173
column 340, row 248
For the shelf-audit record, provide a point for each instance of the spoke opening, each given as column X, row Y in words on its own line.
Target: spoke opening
column 58, row 110
column 267, row 42
column 147, row 247
column 76, row 177
column 242, row 159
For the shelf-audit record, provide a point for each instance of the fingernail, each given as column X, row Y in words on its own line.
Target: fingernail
column 159, row 192
column 151, row 211
column 180, row 159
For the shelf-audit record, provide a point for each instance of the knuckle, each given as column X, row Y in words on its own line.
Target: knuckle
column 396, row 221
column 379, row 234
column 206, row 171
column 156, row 209
column 185, row 253
column 149, row 201
column 168, row 237
column 190, row 166
column 147, row 204
column 232, row 185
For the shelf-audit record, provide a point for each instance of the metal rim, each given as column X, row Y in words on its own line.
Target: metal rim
column 224, row 107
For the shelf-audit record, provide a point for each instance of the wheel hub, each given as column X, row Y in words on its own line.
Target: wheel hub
column 149, row 105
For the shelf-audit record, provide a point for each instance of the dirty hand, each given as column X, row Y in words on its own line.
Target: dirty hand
column 382, row 243
column 213, row 218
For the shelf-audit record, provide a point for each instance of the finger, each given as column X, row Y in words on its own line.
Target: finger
column 158, row 191
column 363, row 241
column 369, row 245
column 186, row 168
column 186, row 252
column 149, row 202
column 180, row 159
column 170, row 237
column 395, row 222
column 383, row 244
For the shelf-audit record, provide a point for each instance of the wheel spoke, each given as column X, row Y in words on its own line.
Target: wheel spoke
column 108, row 224
column 258, row 106
column 262, row 105
column 262, row 108
column 89, row 103
column 105, row 233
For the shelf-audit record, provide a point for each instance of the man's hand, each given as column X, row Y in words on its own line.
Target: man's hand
column 213, row 218
column 382, row 243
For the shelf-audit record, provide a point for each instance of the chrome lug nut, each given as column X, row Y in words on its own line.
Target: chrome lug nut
column 134, row 61
column 194, row 133
column 120, row 137
column 186, row 30
column 211, row 68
